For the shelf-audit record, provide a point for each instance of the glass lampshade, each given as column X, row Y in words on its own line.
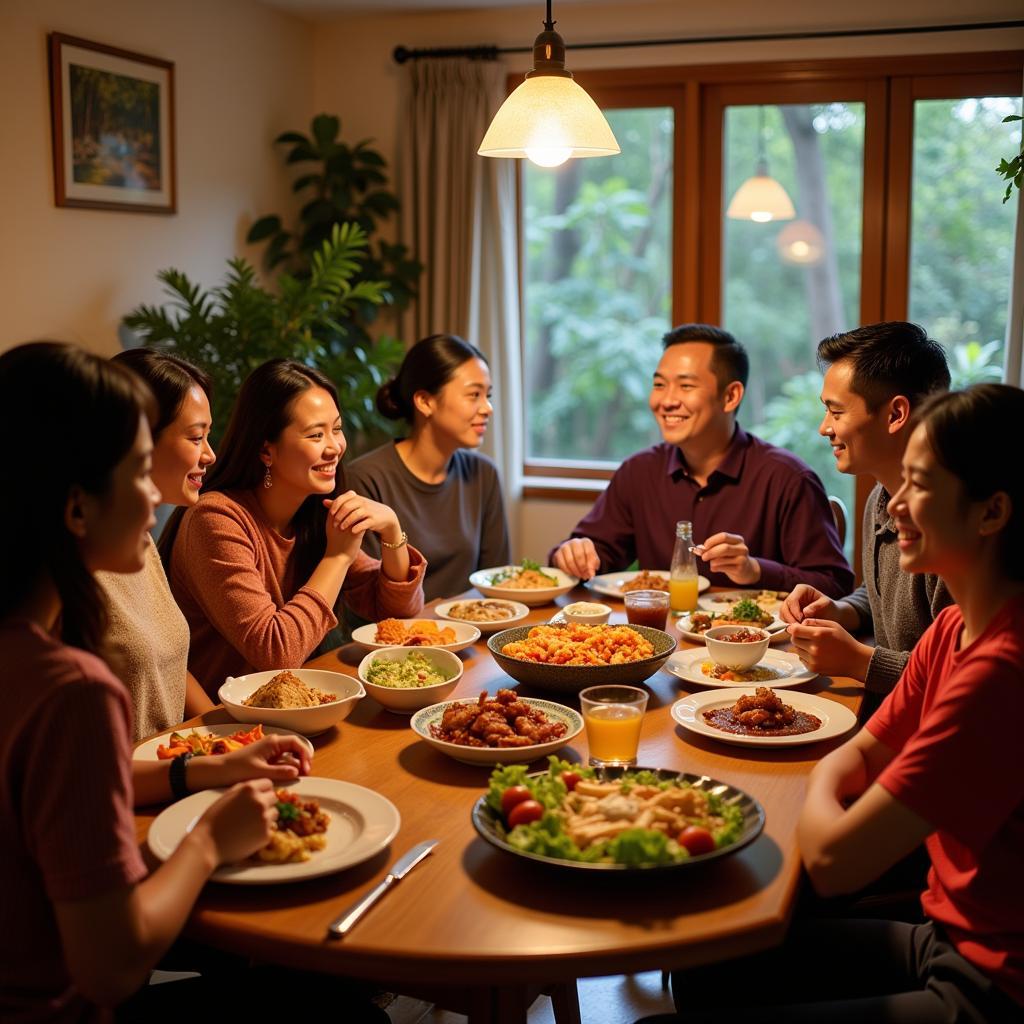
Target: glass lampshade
column 761, row 198
column 549, row 119
column 801, row 243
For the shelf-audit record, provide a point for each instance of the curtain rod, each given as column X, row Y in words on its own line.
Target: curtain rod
column 402, row 54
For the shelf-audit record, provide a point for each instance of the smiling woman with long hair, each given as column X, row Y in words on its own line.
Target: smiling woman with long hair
column 259, row 564
column 147, row 639
column 939, row 763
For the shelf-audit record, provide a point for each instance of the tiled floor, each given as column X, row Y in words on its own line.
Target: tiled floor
column 617, row 1000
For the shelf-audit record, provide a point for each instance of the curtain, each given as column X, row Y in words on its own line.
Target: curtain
column 1013, row 367
column 459, row 220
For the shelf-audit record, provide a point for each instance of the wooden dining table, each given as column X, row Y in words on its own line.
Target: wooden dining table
column 483, row 932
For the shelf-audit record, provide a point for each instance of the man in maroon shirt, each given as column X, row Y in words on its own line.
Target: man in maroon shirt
column 760, row 514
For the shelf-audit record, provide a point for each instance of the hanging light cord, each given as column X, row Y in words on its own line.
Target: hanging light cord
column 401, row 54
column 762, row 155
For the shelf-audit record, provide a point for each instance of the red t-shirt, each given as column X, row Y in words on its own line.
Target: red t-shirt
column 65, row 811
column 954, row 721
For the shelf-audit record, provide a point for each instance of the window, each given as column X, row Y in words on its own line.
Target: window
column 890, row 165
column 598, row 293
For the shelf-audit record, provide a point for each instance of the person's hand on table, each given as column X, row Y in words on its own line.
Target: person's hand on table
column 825, row 647
column 577, row 557
column 280, row 759
column 728, row 553
column 240, row 822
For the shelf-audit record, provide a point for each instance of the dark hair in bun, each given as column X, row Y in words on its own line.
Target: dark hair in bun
column 427, row 366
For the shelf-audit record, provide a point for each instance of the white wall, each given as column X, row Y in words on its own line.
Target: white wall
column 242, row 74
column 357, row 78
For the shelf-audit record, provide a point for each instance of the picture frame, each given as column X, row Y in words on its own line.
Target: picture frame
column 113, row 127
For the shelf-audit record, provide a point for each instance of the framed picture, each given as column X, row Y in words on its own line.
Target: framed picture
column 113, row 127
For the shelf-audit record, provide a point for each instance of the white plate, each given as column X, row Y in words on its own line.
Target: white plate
column 521, row 611
column 422, row 721
column 362, row 824
column 777, row 629
column 465, row 634
column 793, row 672
column 836, row 718
column 147, row 751
column 610, row 583
column 722, row 601
column 543, row 595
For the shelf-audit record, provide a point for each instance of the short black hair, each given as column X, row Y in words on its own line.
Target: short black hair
column 729, row 359
column 889, row 359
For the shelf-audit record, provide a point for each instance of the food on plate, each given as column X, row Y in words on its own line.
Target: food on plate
column 501, row 721
column 767, row 600
column 757, row 674
column 637, row 819
column 286, row 691
column 407, row 674
column 645, row 580
column 481, row 611
column 741, row 636
column 421, row 633
column 577, row 644
column 300, row 830
column 200, row 745
column 584, row 608
column 762, row 713
column 742, row 613
column 528, row 575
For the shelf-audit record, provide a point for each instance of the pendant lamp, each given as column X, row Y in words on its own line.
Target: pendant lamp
column 800, row 243
column 761, row 198
column 549, row 119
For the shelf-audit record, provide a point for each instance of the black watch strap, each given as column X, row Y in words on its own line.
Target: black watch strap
column 179, row 787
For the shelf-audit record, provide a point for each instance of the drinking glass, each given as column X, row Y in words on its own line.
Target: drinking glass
column 647, row 607
column 612, row 716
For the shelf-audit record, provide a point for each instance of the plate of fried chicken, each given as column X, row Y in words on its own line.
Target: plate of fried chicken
column 503, row 729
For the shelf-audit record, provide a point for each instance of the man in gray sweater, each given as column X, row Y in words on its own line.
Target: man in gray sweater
column 875, row 377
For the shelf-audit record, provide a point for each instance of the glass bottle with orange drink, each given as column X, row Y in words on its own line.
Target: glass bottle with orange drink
column 682, row 584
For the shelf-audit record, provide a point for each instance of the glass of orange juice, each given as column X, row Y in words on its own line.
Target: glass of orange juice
column 612, row 716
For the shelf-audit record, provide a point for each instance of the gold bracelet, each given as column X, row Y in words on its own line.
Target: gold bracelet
column 391, row 547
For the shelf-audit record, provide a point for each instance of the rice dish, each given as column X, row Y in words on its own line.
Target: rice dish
column 287, row 691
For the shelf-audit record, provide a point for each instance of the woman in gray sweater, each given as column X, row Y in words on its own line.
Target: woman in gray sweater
column 437, row 483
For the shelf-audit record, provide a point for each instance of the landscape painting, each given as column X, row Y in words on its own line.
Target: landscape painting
column 113, row 131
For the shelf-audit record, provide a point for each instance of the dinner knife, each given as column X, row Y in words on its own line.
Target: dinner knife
column 341, row 925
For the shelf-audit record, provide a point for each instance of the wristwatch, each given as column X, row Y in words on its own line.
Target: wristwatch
column 179, row 787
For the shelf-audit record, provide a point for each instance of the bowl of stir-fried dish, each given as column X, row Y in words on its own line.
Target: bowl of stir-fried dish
column 615, row 819
column 528, row 583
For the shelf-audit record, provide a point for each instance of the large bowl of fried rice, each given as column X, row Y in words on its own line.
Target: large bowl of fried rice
column 568, row 658
column 305, row 700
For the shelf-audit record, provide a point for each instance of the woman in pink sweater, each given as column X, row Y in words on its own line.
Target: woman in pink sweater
column 260, row 563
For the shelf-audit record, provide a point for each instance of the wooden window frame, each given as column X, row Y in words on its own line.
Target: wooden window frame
column 698, row 94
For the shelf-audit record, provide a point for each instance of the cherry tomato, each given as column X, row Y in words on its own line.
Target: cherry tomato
column 512, row 796
column 697, row 840
column 570, row 779
column 524, row 813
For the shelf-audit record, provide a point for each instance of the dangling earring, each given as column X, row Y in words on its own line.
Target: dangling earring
column 267, row 481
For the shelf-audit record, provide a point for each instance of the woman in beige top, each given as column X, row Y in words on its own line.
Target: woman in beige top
column 148, row 638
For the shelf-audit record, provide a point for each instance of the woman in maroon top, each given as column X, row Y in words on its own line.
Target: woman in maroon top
column 81, row 924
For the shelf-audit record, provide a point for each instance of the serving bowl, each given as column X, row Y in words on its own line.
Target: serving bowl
column 422, row 721
column 308, row 721
column 404, row 700
column 573, row 678
column 465, row 635
column 736, row 655
column 532, row 597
